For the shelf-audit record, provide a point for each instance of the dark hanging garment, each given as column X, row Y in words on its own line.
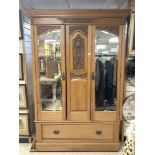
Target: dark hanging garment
column 114, row 61
column 102, row 77
column 100, row 81
column 97, row 75
column 109, row 95
column 109, row 73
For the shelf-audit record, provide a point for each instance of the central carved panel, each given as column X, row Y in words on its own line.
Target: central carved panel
column 78, row 53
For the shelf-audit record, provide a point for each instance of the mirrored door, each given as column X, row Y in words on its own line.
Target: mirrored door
column 51, row 70
column 105, row 69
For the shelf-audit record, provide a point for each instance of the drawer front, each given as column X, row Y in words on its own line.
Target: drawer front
column 71, row 131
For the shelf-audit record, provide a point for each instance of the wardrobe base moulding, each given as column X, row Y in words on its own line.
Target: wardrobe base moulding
column 76, row 136
column 77, row 146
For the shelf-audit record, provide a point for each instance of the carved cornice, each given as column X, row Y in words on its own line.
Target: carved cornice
column 112, row 29
column 44, row 29
column 76, row 20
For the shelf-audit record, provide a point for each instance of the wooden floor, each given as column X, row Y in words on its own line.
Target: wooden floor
column 24, row 149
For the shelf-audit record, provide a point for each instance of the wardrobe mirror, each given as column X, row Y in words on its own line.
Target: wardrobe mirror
column 106, row 56
column 49, row 64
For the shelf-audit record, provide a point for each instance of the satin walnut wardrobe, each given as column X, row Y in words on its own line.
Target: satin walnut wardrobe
column 78, row 76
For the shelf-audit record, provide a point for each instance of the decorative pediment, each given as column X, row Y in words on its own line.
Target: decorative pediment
column 76, row 20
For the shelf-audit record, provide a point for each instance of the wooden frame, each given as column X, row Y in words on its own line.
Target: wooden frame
column 21, row 69
column 21, row 36
column 131, row 39
column 24, row 129
column 22, row 96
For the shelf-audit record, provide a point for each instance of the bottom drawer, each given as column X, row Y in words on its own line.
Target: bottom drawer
column 78, row 131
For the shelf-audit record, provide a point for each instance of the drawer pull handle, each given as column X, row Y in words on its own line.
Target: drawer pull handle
column 98, row 132
column 56, row 132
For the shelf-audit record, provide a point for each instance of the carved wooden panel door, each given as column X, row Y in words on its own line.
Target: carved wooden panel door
column 78, row 54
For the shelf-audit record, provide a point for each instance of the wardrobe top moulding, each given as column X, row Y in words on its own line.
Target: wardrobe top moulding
column 77, row 12
column 84, row 16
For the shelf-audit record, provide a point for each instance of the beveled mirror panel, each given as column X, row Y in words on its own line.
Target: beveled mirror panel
column 49, row 62
column 106, row 64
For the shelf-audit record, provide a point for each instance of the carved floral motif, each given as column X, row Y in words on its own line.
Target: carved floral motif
column 78, row 75
column 84, row 29
column 76, row 20
column 45, row 29
column 78, row 53
column 111, row 29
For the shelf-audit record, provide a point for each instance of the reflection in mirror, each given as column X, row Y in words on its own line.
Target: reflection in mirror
column 106, row 52
column 49, row 58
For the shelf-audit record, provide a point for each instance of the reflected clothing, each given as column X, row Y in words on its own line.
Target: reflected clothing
column 100, row 77
column 105, row 81
column 99, row 83
column 109, row 93
column 97, row 77
column 114, row 61
column 109, row 73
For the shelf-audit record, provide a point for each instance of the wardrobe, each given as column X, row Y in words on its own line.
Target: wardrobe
column 78, row 77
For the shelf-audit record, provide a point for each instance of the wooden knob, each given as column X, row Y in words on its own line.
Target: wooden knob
column 56, row 132
column 98, row 132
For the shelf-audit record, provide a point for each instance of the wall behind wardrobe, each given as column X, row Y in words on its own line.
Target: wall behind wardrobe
column 28, row 61
column 28, row 52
